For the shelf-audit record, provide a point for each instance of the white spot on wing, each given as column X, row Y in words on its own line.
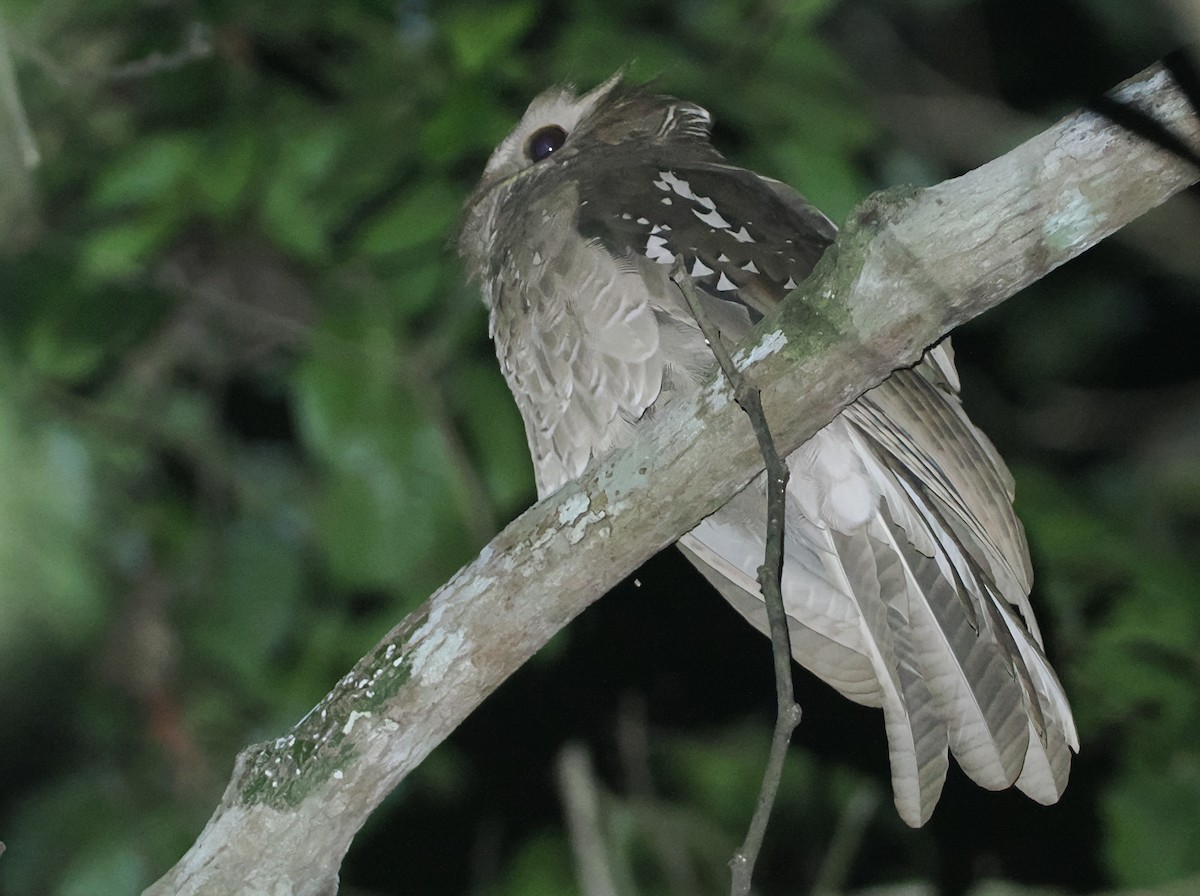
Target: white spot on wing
column 750, row 268
column 700, row 269
column 656, row 250
column 677, row 184
column 725, row 283
column 742, row 236
column 712, row 219
column 791, row 284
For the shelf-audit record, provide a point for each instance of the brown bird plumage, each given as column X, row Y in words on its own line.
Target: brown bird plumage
column 907, row 576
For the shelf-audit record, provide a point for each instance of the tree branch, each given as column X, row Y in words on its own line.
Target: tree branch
column 909, row 266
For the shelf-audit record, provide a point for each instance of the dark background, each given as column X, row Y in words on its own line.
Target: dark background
column 250, row 417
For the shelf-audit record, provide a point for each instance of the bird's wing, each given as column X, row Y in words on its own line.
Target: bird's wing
column 905, row 584
column 592, row 334
column 749, row 247
column 907, row 573
column 943, row 482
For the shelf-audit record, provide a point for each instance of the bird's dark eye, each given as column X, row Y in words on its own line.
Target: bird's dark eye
column 545, row 141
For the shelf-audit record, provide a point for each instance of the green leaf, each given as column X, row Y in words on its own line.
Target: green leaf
column 254, row 600
column 309, row 155
column 149, row 173
column 388, row 514
column 123, row 249
column 293, row 219
column 826, row 179
column 108, row 867
column 468, row 120
column 422, row 215
column 479, row 33
column 1152, row 820
column 77, row 330
column 293, row 212
column 226, row 171
column 496, row 434
column 542, row 867
column 48, row 582
column 55, row 354
column 414, row 289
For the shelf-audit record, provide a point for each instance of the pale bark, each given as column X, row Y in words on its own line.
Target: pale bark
column 909, row 266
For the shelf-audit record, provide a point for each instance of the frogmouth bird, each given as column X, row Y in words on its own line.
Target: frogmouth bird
column 906, row 576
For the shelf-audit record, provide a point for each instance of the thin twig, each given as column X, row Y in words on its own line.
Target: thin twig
column 847, row 838
column 10, row 100
column 580, row 796
column 197, row 45
column 770, row 580
column 633, row 747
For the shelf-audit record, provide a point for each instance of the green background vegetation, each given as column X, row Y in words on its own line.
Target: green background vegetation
column 250, row 416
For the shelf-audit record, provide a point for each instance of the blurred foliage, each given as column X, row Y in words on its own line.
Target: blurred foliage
column 250, row 416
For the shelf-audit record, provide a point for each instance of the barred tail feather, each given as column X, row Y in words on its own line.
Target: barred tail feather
column 916, row 733
column 1048, row 760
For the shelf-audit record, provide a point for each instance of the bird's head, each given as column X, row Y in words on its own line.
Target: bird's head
column 559, row 125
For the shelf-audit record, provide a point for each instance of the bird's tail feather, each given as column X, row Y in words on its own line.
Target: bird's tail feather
column 916, row 732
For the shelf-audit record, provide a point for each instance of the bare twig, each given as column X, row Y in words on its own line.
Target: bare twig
column 197, row 44
column 770, row 579
column 11, row 106
column 581, row 802
column 633, row 747
column 847, row 837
